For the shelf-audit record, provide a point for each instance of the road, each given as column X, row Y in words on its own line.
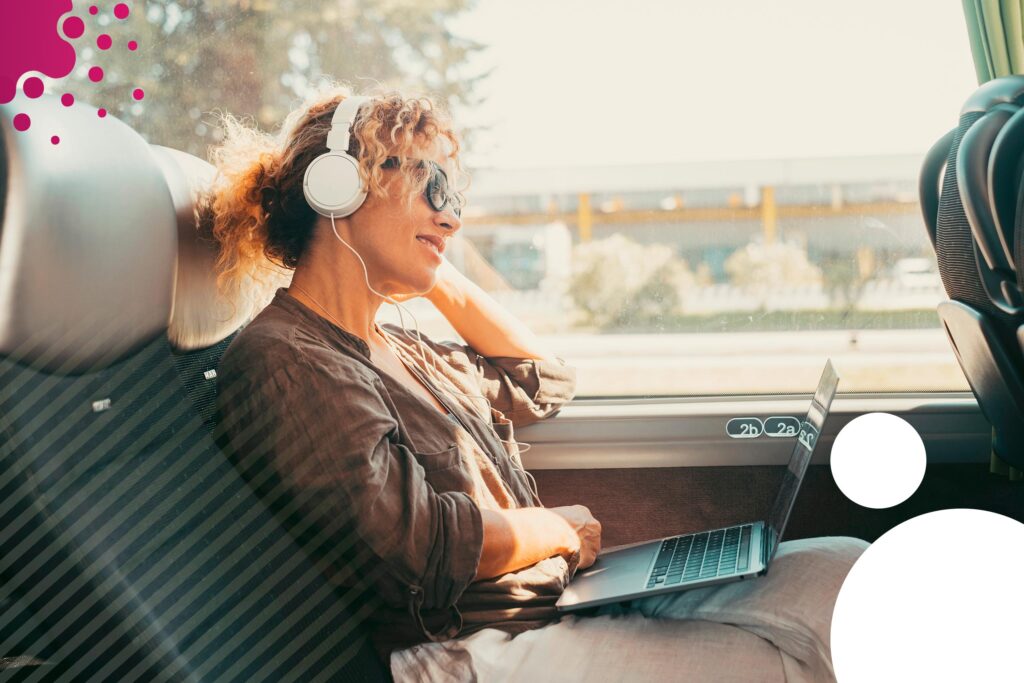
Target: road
column 766, row 362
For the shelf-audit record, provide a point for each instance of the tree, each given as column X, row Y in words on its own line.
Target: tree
column 770, row 265
column 618, row 283
column 845, row 279
column 764, row 267
column 258, row 57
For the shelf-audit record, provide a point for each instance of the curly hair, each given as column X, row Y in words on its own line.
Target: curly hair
column 258, row 214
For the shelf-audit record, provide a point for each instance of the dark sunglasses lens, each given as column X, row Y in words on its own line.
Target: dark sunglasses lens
column 437, row 194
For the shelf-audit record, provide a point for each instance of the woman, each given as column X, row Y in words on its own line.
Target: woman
column 392, row 457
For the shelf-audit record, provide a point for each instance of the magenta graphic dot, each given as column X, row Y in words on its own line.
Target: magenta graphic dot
column 55, row 139
column 73, row 27
column 132, row 45
column 121, row 10
column 22, row 122
column 101, row 113
column 138, row 94
column 95, row 74
column 94, row 10
column 103, row 41
column 67, row 99
column 32, row 40
column 33, row 87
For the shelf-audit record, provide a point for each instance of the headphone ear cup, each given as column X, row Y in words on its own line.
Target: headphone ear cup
column 332, row 185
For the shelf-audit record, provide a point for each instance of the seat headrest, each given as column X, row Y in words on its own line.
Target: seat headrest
column 1006, row 89
column 88, row 239
column 199, row 317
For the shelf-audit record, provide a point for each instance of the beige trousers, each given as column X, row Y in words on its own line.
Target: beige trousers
column 774, row 628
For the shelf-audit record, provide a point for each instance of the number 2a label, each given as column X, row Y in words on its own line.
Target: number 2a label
column 744, row 428
column 781, row 426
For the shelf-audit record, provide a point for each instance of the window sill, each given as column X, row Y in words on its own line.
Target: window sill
column 595, row 433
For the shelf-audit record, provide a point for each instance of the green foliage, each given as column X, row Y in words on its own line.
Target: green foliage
column 763, row 266
column 846, row 277
column 790, row 321
column 617, row 282
column 257, row 58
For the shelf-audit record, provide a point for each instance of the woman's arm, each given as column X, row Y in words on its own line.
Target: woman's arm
column 518, row 538
column 501, row 359
column 490, row 329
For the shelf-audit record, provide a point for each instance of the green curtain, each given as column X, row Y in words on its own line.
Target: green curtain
column 996, row 33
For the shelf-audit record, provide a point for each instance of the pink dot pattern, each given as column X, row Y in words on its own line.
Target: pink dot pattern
column 73, row 27
column 32, row 40
column 33, row 87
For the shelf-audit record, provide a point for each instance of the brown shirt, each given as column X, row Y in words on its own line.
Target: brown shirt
column 381, row 488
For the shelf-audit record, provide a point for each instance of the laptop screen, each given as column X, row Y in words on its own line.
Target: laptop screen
column 807, row 439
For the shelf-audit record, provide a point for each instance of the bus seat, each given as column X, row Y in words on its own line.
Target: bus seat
column 974, row 228
column 133, row 550
column 199, row 318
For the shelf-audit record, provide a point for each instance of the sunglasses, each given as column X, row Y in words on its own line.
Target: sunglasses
column 436, row 191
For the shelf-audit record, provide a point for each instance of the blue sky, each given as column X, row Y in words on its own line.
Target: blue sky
column 579, row 83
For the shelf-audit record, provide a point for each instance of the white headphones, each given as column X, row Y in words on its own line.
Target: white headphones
column 332, row 184
column 334, row 189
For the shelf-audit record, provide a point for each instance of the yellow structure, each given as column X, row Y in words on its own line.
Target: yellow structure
column 769, row 214
column 584, row 217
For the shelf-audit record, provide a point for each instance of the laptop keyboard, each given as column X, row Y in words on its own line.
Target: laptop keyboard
column 701, row 556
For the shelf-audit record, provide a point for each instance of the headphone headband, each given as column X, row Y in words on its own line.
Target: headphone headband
column 341, row 123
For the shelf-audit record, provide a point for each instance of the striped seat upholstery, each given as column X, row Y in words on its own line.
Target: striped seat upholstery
column 132, row 549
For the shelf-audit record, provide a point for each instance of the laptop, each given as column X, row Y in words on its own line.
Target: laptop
column 710, row 557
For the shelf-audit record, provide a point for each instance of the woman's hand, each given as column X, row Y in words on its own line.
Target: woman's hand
column 586, row 527
column 519, row 537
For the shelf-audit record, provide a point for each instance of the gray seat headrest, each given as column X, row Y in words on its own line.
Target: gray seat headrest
column 199, row 317
column 88, row 239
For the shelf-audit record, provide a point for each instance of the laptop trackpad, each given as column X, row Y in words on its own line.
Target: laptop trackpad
column 620, row 571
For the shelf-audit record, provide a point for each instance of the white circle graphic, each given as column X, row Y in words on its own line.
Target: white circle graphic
column 878, row 460
column 934, row 599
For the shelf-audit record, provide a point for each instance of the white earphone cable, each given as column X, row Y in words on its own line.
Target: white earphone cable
column 429, row 368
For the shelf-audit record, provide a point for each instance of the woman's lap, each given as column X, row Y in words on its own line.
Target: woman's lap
column 775, row 627
column 790, row 606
